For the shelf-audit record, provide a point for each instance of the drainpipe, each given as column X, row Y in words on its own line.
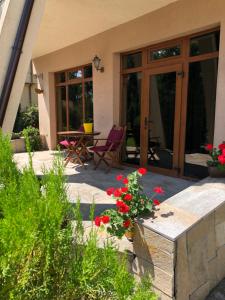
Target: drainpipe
column 14, row 58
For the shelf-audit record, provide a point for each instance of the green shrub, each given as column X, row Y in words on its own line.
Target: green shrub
column 43, row 253
column 27, row 118
column 33, row 135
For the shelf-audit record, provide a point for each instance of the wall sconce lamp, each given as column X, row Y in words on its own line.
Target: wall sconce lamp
column 97, row 64
column 39, row 91
column 39, row 76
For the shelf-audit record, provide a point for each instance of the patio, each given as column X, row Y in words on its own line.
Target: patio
column 90, row 185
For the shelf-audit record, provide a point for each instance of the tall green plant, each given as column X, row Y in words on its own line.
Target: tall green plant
column 32, row 134
column 44, row 254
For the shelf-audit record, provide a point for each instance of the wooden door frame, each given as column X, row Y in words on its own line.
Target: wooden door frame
column 145, row 105
column 183, row 59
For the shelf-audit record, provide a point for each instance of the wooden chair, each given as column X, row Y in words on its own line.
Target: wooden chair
column 72, row 150
column 109, row 152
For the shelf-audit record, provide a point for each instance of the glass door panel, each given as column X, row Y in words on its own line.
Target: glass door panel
column 61, row 108
column 161, row 120
column 200, row 116
column 132, row 103
column 75, row 106
column 88, row 96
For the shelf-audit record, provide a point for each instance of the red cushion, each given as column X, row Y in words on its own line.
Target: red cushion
column 68, row 144
column 65, row 143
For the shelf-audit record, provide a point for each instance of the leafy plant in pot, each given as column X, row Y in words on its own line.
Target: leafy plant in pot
column 88, row 125
column 216, row 165
column 131, row 203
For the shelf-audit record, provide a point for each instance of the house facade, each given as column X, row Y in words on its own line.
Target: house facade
column 163, row 75
column 163, row 78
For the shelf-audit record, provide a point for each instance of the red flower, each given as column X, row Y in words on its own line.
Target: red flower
column 124, row 189
column 110, row 191
column 208, row 147
column 98, row 221
column 128, row 197
column 221, row 146
column 221, row 159
column 223, row 152
column 119, row 177
column 105, row 219
column 117, row 193
column 126, row 223
column 156, row 202
column 122, row 207
column 119, row 203
column 142, row 171
column 158, row 190
column 125, row 181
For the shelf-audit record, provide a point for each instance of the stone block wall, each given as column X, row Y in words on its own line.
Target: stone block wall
column 186, row 266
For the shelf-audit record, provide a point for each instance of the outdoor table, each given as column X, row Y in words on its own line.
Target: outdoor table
column 80, row 148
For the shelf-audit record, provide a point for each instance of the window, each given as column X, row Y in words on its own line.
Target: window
column 133, row 60
column 74, row 97
column 205, row 43
column 165, row 52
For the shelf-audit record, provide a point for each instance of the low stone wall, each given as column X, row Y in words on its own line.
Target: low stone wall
column 18, row 145
column 183, row 245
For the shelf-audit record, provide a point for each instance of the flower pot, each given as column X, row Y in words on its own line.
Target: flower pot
column 129, row 234
column 215, row 172
column 88, row 127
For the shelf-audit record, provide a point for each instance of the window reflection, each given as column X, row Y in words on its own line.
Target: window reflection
column 88, row 71
column 165, row 53
column 205, row 43
column 88, row 95
column 200, row 115
column 132, row 101
column 61, row 108
column 161, row 120
column 61, row 77
column 75, row 74
column 75, row 106
column 133, row 60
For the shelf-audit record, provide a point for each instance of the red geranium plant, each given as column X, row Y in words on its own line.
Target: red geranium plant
column 217, row 155
column 131, row 202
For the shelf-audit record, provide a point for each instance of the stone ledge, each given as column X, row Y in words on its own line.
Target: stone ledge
column 179, row 213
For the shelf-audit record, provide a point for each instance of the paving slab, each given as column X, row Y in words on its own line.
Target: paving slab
column 90, row 185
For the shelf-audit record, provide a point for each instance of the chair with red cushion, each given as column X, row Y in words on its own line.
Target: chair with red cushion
column 110, row 151
column 70, row 146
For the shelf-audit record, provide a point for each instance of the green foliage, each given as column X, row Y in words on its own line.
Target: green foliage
column 143, row 291
column 27, row 118
column 32, row 134
column 44, row 255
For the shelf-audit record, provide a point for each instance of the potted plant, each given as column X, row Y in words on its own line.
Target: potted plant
column 131, row 203
column 88, row 125
column 216, row 165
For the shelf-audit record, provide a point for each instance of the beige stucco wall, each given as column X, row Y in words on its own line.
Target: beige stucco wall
column 175, row 20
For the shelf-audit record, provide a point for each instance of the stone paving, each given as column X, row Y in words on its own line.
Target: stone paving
column 90, row 185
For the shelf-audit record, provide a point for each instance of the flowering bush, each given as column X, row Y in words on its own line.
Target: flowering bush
column 131, row 202
column 217, row 155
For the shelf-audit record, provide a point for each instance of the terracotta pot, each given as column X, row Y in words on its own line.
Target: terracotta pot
column 129, row 234
column 216, row 173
